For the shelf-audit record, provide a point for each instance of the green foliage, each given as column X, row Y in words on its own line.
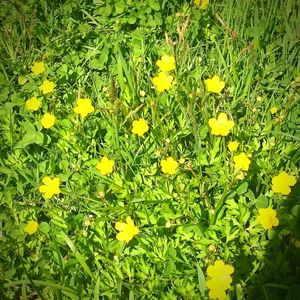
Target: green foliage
column 107, row 51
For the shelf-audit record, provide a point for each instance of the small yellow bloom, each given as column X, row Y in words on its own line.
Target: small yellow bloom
column 240, row 175
column 33, row 104
column 31, row 227
column 22, row 80
column 105, row 166
column 201, row 3
column 127, row 230
column 232, row 146
column 142, row 93
column 182, row 160
column 163, row 81
column 84, row 107
column 168, row 224
column 215, row 85
column 50, row 187
column 47, row 87
column 267, row 218
column 48, row 120
column 140, row 127
column 281, row 183
column 166, row 63
column 220, row 279
column 220, row 126
column 242, row 162
column 169, row 166
column 273, row 110
column 38, row 68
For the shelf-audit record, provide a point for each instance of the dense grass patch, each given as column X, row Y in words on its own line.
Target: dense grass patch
column 149, row 149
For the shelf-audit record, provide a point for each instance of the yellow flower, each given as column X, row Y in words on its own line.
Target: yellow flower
column 216, row 292
column 215, row 85
column 31, row 227
column 169, row 166
column 273, row 110
column 232, row 146
column 166, row 63
column 242, row 162
column 105, row 166
column 220, row 279
column 140, row 127
column 282, row 183
column 50, row 187
column 84, row 107
column 163, row 81
column 127, row 230
column 38, row 68
column 201, row 3
column 47, row 86
column 33, row 104
column 267, row 218
column 48, row 120
column 220, row 126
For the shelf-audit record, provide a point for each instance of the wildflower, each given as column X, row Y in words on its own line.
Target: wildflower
column 33, row 104
column 240, row 175
column 140, row 127
column 31, row 227
column 201, row 3
column 281, row 183
column 242, row 162
column 38, row 68
column 127, row 230
column 215, row 85
column 220, row 126
column 105, row 166
column 182, row 160
column 48, row 120
column 220, row 279
column 267, row 218
column 169, row 166
column 47, row 86
column 273, row 110
column 142, row 93
column 22, row 80
column 168, row 224
column 163, row 81
column 232, row 146
column 50, row 187
column 166, row 63
column 83, row 107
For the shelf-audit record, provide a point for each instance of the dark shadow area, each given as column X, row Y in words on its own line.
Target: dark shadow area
column 279, row 278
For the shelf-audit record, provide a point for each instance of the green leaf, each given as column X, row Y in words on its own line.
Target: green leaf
column 79, row 257
column 262, row 201
column 131, row 19
column 30, row 138
column 250, row 195
column 4, row 93
column 154, row 4
column 242, row 189
column 44, row 227
column 62, row 70
column 119, row 7
column 97, row 288
column 296, row 210
column 201, row 280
